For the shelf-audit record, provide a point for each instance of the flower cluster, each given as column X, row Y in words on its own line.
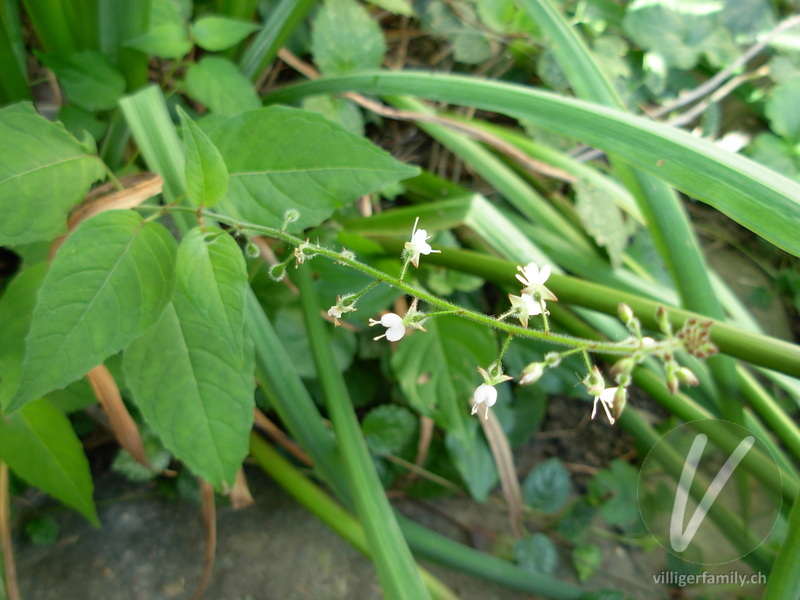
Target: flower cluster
column 532, row 301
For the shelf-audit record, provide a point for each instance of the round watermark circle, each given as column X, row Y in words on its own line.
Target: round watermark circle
column 710, row 492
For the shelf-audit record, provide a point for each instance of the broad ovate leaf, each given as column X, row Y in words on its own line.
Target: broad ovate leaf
column 437, row 370
column 194, row 391
column 215, row 33
column 39, row 444
column 217, row 83
column 44, row 172
column 206, row 174
column 212, row 274
column 109, row 282
column 294, row 159
column 345, row 39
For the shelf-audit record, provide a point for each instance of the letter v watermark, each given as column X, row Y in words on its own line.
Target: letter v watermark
column 678, row 538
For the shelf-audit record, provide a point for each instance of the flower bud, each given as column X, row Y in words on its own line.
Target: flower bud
column 625, row 313
column 620, row 400
column 663, row 321
column 532, row 373
column 552, row 359
column 277, row 272
column 252, row 250
column 687, row 377
column 290, row 216
column 622, row 368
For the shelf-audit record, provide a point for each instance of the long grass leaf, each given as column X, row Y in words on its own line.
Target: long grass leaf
column 395, row 565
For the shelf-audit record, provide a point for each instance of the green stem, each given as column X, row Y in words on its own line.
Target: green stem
column 621, row 349
column 506, row 344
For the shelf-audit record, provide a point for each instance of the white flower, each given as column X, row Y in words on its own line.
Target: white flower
column 485, row 395
column 419, row 244
column 533, row 279
column 524, row 307
column 606, row 398
column 337, row 310
column 395, row 328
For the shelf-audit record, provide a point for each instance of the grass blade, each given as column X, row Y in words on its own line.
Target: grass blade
column 395, row 565
column 754, row 196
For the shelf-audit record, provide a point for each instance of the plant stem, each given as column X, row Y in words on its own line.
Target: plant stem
column 621, row 348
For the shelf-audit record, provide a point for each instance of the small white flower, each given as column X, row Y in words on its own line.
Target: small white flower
column 337, row 310
column 606, row 398
column 524, row 307
column 419, row 244
column 533, row 279
column 395, row 328
column 485, row 395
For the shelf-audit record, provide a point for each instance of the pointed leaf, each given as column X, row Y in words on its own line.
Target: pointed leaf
column 215, row 33
column 212, row 274
column 44, row 172
column 193, row 391
column 40, row 446
column 108, row 283
column 297, row 159
column 16, row 306
column 206, row 173
column 217, row 83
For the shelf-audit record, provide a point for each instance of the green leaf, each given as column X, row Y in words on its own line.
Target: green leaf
column 212, row 274
column 88, row 79
column 781, row 110
column 574, row 522
column 218, row 84
column 166, row 35
column 39, row 445
column 16, row 306
column 681, row 32
column 618, row 483
column 586, row 559
column 215, row 33
column 194, row 392
column 437, row 370
column 338, row 110
column 108, row 283
column 288, row 323
column 397, row 7
column 297, row 159
column 388, row 428
column 750, row 194
column 345, row 39
column 536, row 553
column 206, row 173
column 475, row 464
column 601, row 219
column 44, row 172
column 548, row 486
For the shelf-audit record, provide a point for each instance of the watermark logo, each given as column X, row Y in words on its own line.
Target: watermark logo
column 710, row 492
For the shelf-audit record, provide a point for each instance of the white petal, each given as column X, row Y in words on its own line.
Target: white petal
column 543, row 274
column 485, row 394
column 391, row 320
column 396, row 332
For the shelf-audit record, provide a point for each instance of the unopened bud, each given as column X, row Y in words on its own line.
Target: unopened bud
column 663, row 321
column 687, row 376
column 625, row 313
column 621, row 368
column 277, row 272
column 252, row 250
column 532, row 373
column 552, row 359
column 290, row 216
column 620, row 400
